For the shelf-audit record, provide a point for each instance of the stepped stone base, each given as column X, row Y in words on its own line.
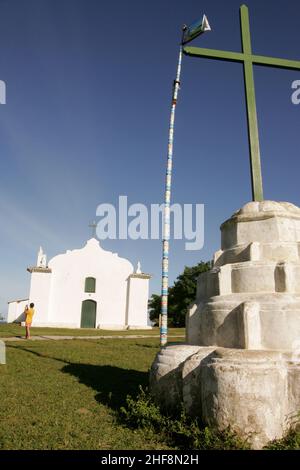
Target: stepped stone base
column 241, row 366
column 256, row 393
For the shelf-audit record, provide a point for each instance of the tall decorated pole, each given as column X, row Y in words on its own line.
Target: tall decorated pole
column 188, row 34
column 166, row 218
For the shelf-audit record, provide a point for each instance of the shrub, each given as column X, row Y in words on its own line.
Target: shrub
column 179, row 431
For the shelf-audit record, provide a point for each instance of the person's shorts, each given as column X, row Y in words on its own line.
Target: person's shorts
column 27, row 324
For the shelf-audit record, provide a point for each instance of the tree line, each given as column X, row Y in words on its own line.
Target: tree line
column 181, row 295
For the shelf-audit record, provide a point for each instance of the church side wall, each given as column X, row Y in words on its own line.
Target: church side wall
column 39, row 295
column 137, row 315
column 12, row 312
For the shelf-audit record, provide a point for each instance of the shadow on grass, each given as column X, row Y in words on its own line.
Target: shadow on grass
column 112, row 384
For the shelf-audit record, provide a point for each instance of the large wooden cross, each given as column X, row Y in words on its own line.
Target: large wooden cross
column 248, row 60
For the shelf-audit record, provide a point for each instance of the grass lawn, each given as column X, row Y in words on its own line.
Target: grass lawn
column 67, row 394
column 12, row 329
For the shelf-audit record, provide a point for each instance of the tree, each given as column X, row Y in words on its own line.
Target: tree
column 181, row 295
column 154, row 305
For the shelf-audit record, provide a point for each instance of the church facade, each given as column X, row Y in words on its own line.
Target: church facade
column 86, row 288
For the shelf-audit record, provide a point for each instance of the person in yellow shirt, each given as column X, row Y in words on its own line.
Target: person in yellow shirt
column 29, row 312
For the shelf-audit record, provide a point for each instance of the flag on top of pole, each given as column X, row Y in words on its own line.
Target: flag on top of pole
column 194, row 30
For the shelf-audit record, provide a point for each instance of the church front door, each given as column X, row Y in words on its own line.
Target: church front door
column 88, row 314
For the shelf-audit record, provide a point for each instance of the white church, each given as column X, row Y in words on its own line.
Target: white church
column 85, row 288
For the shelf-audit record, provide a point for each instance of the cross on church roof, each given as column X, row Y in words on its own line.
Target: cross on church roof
column 93, row 226
column 248, row 59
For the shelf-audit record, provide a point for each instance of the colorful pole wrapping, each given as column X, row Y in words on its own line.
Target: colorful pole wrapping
column 166, row 219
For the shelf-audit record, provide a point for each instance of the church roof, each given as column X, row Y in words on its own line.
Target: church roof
column 18, row 301
column 93, row 253
column 37, row 269
column 141, row 275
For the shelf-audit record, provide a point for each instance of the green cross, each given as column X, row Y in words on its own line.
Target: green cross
column 248, row 60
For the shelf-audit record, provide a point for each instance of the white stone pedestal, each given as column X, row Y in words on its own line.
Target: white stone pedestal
column 241, row 366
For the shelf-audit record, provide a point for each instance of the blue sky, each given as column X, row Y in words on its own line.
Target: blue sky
column 88, row 100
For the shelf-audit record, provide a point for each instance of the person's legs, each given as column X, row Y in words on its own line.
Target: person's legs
column 27, row 331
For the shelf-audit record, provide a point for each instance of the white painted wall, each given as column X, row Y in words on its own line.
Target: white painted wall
column 39, row 294
column 69, row 272
column 137, row 315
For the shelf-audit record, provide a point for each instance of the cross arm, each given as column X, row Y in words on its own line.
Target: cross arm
column 214, row 54
column 274, row 62
column 241, row 57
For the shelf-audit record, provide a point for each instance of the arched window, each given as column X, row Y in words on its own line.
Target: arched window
column 90, row 285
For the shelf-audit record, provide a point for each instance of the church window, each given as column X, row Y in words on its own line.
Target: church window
column 90, row 285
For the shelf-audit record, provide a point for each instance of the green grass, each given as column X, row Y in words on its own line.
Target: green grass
column 11, row 329
column 73, row 394
column 67, row 394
